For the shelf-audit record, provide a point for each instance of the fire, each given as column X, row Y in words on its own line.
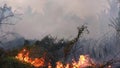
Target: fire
column 24, row 56
column 84, row 61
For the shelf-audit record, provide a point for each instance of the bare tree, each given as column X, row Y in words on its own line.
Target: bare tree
column 5, row 14
column 71, row 43
column 115, row 23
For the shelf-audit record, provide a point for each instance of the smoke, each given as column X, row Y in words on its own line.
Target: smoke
column 59, row 17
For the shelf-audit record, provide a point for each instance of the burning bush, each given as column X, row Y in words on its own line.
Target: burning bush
column 24, row 56
column 84, row 61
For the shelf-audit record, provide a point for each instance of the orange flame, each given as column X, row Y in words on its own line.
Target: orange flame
column 24, row 56
column 84, row 61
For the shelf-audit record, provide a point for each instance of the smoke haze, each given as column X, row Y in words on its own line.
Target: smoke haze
column 61, row 17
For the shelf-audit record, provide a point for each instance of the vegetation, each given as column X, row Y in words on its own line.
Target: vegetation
column 11, row 62
column 49, row 47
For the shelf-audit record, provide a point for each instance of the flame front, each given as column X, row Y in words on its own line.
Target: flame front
column 84, row 61
column 24, row 56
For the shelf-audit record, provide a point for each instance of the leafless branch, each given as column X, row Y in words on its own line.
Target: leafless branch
column 71, row 43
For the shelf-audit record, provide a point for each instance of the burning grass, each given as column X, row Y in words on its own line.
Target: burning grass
column 24, row 60
column 84, row 61
column 24, row 56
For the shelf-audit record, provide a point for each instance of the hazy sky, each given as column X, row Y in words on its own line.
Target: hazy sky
column 59, row 17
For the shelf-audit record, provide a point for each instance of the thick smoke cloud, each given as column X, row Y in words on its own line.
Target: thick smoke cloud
column 58, row 17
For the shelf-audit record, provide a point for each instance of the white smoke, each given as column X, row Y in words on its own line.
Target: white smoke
column 57, row 17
